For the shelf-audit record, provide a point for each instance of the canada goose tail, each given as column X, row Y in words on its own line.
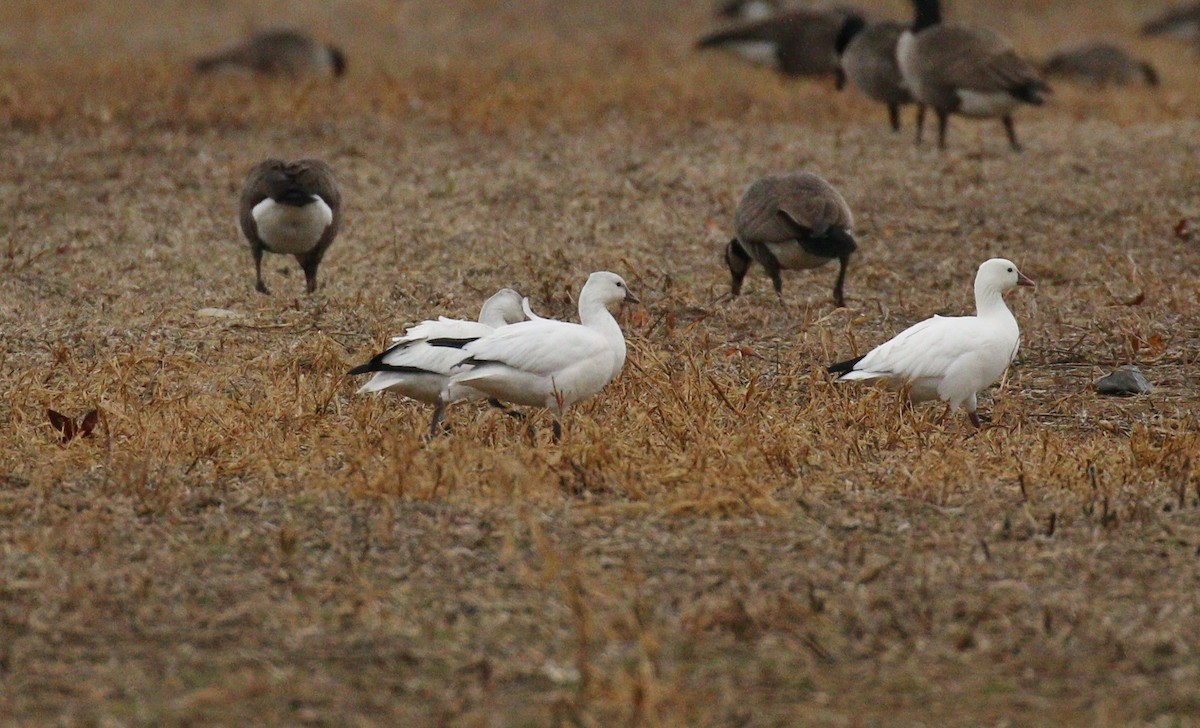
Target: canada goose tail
column 844, row 367
column 1032, row 92
column 1150, row 74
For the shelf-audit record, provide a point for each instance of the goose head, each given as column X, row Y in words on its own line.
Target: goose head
column 1000, row 275
column 739, row 264
column 606, row 289
column 337, row 59
column 504, row 307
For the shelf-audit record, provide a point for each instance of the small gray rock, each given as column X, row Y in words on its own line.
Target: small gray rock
column 1124, row 382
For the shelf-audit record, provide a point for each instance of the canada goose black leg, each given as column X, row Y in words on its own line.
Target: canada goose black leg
column 518, row 416
column 771, row 264
column 894, row 116
column 309, row 265
column 259, row 286
column 943, row 122
column 839, row 297
column 920, row 123
column 1011, row 130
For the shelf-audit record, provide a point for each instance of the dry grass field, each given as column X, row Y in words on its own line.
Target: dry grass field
column 724, row 537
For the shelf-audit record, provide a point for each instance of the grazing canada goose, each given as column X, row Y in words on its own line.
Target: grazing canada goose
column 868, row 60
column 1100, row 64
column 748, row 9
column 290, row 208
column 797, row 42
column 950, row 358
column 790, row 222
column 278, row 53
column 963, row 69
column 548, row 363
column 418, row 364
column 1182, row 22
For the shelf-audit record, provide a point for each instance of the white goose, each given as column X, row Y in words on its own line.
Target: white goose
column 950, row 358
column 418, row 364
column 548, row 363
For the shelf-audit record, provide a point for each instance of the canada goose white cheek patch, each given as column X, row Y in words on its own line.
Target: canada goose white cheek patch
column 756, row 51
column 975, row 103
column 291, row 229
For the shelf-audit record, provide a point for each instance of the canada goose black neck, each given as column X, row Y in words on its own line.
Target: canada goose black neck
column 928, row 14
column 851, row 26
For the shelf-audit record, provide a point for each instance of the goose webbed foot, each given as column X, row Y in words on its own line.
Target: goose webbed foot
column 518, row 416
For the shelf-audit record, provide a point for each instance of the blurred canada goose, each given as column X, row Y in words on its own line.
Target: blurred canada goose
column 278, row 53
column 1182, row 22
column 1100, row 64
column 748, row 9
column 965, row 69
column 868, row 60
column 790, row 222
column 291, row 208
column 797, row 42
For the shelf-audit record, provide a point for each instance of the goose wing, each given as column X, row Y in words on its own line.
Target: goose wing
column 443, row 328
column 542, row 348
column 925, row 349
column 975, row 59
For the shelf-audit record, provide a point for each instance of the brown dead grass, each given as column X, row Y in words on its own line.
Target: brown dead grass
column 725, row 537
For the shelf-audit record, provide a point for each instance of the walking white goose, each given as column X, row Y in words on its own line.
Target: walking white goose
column 950, row 358
column 548, row 363
column 418, row 364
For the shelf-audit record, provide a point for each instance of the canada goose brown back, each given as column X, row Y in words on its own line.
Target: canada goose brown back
column 790, row 222
column 1100, row 64
column 1182, row 22
column 868, row 61
column 798, row 42
column 278, row 53
column 290, row 208
column 964, row 69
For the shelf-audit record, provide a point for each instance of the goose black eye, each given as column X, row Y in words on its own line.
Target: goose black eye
column 622, row 285
column 1010, row 270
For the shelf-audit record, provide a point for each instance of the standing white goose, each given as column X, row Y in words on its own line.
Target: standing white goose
column 418, row 364
column 548, row 363
column 950, row 358
column 964, row 69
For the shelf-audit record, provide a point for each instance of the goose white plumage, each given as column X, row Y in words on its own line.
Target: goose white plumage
column 548, row 363
column 950, row 358
column 419, row 364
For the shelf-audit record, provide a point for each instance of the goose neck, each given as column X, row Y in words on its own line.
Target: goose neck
column 928, row 13
column 596, row 316
column 989, row 303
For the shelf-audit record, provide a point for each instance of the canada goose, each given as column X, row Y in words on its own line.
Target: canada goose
column 950, row 357
column 1182, row 22
column 797, row 42
column 868, row 60
column 278, row 53
column 748, row 9
column 790, row 222
column 1100, row 64
column 290, row 208
column 964, row 69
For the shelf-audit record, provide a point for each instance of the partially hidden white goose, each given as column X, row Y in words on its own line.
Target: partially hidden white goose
column 548, row 363
column 418, row 364
column 950, row 358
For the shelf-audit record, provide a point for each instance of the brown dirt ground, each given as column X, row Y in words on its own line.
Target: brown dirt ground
column 725, row 537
